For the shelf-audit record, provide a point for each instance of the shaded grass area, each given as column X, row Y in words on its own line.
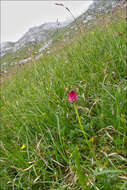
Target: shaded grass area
column 35, row 112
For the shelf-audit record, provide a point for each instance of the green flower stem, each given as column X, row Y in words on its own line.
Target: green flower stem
column 81, row 127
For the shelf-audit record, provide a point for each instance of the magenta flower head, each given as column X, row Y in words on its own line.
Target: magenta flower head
column 72, row 96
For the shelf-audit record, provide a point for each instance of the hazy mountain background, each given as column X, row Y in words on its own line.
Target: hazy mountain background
column 44, row 34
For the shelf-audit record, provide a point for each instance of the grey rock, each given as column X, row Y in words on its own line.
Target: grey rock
column 33, row 36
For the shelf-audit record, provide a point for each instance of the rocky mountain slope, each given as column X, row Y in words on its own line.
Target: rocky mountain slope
column 45, row 31
column 34, row 35
column 44, row 34
column 99, row 7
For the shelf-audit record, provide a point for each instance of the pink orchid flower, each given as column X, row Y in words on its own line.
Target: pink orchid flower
column 72, row 96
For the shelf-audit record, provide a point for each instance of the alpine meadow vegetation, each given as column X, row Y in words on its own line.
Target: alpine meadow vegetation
column 64, row 118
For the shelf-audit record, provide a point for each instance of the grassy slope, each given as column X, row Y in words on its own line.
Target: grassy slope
column 36, row 112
